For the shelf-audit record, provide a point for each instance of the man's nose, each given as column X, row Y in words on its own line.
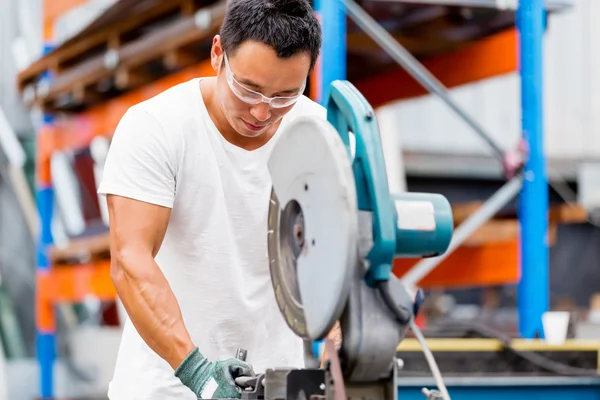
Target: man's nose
column 261, row 111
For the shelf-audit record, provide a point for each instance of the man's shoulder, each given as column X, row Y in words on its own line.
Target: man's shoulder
column 163, row 118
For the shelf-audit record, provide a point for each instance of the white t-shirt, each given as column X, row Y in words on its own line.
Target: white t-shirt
column 167, row 151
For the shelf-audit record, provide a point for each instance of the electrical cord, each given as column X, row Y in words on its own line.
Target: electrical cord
column 430, row 360
column 534, row 358
column 406, row 317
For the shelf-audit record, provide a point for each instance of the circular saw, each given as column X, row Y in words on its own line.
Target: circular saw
column 313, row 226
column 334, row 231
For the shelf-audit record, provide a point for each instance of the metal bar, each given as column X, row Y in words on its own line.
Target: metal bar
column 498, row 4
column 494, row 204
column 502, row 388
column 415, row 68
column 533, row 291
column 330, row 67
column 332, row 63
column 45, row 329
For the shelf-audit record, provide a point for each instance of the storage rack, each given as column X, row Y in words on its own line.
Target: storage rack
column 86, row 84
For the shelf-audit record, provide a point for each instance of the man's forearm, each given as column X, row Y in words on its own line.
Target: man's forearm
column 152, row 308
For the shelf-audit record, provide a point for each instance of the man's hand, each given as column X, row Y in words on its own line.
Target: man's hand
column 212, row 380
column 336, row 335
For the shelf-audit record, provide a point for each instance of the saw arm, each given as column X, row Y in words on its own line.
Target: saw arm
column 349, row 112
column 403, row 225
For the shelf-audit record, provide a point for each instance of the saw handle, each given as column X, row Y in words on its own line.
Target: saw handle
column 348, row 111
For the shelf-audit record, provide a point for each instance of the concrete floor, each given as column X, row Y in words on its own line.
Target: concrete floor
column 88, row 380
column 23, row 380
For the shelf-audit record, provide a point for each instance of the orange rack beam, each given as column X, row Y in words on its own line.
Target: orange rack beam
column 486, row 58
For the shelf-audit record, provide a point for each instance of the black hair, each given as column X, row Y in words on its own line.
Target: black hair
column 288, row 26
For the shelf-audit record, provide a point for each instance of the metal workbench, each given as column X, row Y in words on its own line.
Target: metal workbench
column 502, row 388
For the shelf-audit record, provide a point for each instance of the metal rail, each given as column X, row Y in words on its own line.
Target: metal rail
column 550, row 5
column 417, row 70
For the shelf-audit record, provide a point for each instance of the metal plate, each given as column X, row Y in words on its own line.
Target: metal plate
column 313, row 226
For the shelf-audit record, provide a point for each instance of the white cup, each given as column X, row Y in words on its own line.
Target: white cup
column 556, row 326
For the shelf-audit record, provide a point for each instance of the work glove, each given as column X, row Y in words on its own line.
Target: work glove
column 212, row 380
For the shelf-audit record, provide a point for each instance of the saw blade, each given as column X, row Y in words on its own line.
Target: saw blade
column 313, row 226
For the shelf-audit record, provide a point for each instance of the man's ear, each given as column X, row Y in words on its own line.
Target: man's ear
column 216, row 53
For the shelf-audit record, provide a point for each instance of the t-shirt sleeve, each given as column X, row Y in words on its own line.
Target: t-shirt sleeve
column 140, row 163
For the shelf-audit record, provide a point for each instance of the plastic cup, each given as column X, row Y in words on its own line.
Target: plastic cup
column 556, row 326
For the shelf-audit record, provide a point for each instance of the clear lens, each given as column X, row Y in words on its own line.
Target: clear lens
column 251, row 97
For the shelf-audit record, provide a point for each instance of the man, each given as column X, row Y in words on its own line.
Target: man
column 188, row 188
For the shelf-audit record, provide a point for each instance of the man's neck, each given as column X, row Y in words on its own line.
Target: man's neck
column 216, row 115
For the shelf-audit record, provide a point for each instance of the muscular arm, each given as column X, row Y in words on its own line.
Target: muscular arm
column 136, row 233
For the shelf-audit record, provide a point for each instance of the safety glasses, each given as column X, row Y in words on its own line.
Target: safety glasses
column 252, row 97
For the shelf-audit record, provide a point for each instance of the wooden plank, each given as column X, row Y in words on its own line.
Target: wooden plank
column 84, row 95
column 84, row 44
column 462, row 211
column 495, row 231
column 126, row 79
column 568, row 214
column 557, row 213
column 170, row 38
column 135, row 54
column 179, row 58
column 85, row 248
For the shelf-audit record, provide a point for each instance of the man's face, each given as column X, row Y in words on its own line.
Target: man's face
column 255, row 88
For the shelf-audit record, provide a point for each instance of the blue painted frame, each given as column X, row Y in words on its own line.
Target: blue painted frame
column 333, row 52
column 533, row 290
column 502, row 388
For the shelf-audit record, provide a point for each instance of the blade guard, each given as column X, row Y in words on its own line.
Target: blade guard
column 348, row 111
column 411, row 225
column 313, row 226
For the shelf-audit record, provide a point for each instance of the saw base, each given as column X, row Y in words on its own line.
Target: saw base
column 317, row 384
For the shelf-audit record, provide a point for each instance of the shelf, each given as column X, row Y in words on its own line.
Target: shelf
column 70, row 284
column 557, row 214
column 476, row 266
column 116, row 54
column 81, row 250
column 480, row 344
column 551, row 5
column 75, row 283
column 121, row 54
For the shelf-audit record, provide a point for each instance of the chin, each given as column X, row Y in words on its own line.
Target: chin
column 251, row 134
column 245, row 131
